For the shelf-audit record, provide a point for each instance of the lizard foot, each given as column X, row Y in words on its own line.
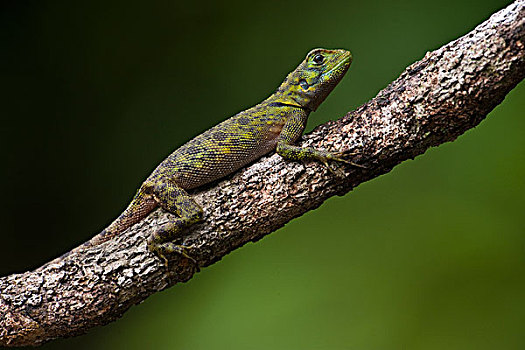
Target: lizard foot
column 343, row 157
column 168, row 248
column 339, row 157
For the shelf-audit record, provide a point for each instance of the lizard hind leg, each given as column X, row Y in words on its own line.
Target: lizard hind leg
column 175, row 200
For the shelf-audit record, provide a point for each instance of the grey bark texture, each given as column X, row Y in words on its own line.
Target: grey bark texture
column 433, row 101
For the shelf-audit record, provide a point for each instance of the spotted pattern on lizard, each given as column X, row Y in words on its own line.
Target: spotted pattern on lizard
column 274, row 124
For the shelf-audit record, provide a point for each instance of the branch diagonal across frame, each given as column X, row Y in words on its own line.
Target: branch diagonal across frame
column 435, row 100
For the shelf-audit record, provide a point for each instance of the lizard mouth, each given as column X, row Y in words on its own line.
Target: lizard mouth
column 345, row 59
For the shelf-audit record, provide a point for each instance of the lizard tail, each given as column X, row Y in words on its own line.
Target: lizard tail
column 138, row 209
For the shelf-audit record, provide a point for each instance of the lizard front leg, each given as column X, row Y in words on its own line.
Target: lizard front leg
column 291, row 131
column 175, row 200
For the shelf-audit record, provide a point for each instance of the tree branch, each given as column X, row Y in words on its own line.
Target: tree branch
column 433, row 101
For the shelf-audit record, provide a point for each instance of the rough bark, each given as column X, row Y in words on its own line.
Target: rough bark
column 433, row 101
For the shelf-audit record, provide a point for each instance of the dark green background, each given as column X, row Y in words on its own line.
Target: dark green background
column 95, row 94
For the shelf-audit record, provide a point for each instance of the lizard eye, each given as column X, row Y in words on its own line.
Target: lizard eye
column 318, row 59
column 304, row 84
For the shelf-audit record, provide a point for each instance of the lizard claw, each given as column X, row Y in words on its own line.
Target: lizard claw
column 167, row 248
column 342, row 157
column 336, row 172
column 352, row 163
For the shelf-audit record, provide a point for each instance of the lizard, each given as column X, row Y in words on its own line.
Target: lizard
column 274, row 124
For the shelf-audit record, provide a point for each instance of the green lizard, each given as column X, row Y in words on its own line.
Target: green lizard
column 274, row 124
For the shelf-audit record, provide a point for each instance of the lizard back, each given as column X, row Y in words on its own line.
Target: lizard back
column 226, row 147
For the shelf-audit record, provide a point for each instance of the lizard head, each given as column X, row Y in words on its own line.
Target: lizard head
column 310, row 83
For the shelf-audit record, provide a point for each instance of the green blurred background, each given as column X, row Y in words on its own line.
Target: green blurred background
column 95, row 94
